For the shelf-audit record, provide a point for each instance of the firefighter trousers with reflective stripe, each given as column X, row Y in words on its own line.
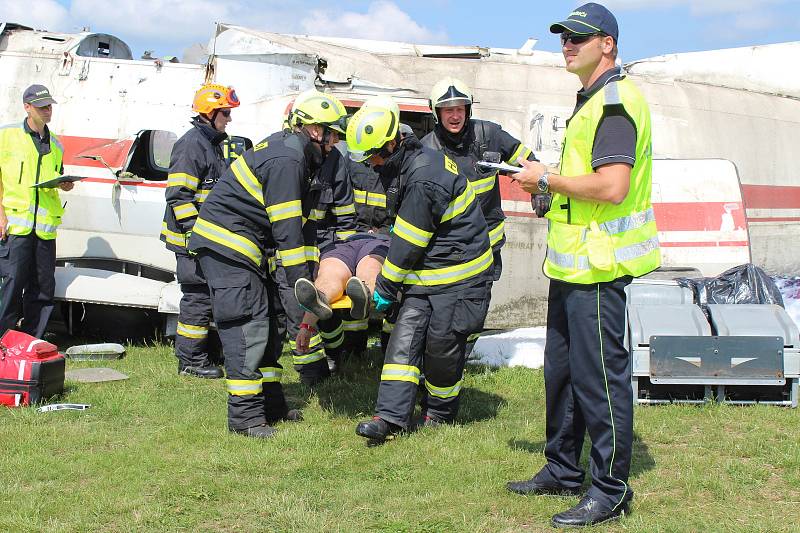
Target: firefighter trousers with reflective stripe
column 342, row 335
column 312, row 366
column 191, row 337
column 587, row 375
column 248, row 331
column 28, row 283
column 429, row 336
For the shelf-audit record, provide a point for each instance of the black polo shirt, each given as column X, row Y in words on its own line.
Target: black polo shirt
column 42, row 143
column 615, row 139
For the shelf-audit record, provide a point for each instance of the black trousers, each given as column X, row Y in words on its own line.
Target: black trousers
column 430, row 336
column 311, row 366
column 587, row 376
column 27, row 270
column 191, row 337
column 248, row 330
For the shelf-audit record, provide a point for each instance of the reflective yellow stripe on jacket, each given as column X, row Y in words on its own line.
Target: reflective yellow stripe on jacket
column 438, row 276
column 227, row 238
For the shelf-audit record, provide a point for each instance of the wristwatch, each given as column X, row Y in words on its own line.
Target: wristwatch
column 543, row 183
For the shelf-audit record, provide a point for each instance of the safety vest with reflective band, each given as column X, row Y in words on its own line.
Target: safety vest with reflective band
column 256, row 208
column 482, row 136
column 628, row 229
column 440, row 242
column 29, row 209
column 196, row 164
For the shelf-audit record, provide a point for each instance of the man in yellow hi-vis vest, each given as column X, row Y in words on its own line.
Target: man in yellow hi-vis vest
column 601, row 234
column 29, row 216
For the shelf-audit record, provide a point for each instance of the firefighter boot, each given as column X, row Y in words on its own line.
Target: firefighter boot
column 311, row 300
column 207, row 371
column 263, row 431
column 377, row 429
column 359, row 295
column 292, row 415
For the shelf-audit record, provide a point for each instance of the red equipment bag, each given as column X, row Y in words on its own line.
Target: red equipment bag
column 31, row 370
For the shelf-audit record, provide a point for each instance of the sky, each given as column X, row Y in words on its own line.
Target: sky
column 647, row 27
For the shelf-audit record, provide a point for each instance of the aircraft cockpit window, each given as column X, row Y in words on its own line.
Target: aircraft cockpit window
column 150, row 154
column 161, row 143
column 104, row 46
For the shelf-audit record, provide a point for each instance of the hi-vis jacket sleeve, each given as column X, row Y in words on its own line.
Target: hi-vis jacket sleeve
column 283, row 202
column 511, row 149
column 418, row 218
column 344, row 206
column 187, row 169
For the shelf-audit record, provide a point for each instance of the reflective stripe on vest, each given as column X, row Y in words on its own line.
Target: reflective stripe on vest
column 630, row 225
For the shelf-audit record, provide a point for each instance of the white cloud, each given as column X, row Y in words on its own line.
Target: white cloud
column 172, row 25
column 383, row 20
column 39, row 14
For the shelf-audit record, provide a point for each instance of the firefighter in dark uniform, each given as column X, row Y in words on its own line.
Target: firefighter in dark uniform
column 601, row 234
column 466, row 141
column 257, row 206
column 197, row 162
column 29, row 216
column 437, row 271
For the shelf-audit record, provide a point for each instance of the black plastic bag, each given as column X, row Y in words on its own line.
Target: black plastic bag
column 743, row 284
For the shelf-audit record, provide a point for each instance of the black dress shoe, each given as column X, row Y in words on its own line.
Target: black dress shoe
column 292, row 415
column 531, row 486
column 377, row 429
column 207, row 372
column 589, row 511
column 259, row 432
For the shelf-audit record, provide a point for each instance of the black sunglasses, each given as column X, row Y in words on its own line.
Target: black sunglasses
column 225, row 112
column 579, row 38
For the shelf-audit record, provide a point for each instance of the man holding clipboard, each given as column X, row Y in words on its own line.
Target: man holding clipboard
column 29, row 215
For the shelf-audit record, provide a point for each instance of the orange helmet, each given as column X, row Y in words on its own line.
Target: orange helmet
column 212, row 96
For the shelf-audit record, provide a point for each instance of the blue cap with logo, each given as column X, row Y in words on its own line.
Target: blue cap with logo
column 589, row 18
column 37, row 96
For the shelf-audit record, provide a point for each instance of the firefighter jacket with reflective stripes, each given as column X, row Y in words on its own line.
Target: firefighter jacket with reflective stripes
column 257, row 207
column 196, row 164
column 376, row 196
column 440, row 241
column 479, row 136
column 22, row 165
column 591, row 242
column 335, row 213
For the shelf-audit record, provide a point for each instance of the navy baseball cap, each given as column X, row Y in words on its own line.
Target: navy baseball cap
column 37, row 96
column 589, row 18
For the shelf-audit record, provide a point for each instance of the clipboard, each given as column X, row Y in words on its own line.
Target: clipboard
column 49, row 184
column 510, row 169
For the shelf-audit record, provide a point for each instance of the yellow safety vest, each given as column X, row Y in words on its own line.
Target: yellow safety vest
column 28, row 208
column 590, row 242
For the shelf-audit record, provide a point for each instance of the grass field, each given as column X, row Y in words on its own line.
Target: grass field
column 153, row 454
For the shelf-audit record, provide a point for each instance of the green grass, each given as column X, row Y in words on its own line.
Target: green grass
column 153, row 454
